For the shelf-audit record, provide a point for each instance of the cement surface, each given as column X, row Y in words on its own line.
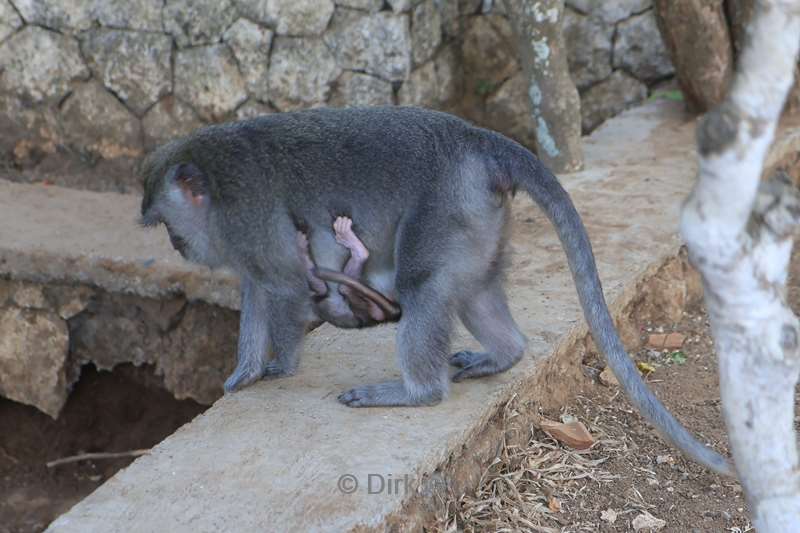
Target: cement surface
column 55, row 234
column 270, row 458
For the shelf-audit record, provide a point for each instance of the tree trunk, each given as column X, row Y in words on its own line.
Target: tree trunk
column 696, row 35
column 554, row 100
column 739, row 234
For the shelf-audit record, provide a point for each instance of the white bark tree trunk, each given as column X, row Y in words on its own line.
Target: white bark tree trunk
column 739, row 234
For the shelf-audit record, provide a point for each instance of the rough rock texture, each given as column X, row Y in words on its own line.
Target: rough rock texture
column 194, row 22
column 290, row 17
column 699, row 43
column 421, row 88
column 71, row 14
column 208, row 77
column 301, row 72
column 378, row 44
column 39, row 64
column 426, row 31
column 27, row 133
column 473, row 7
column 100, row 123
column 226, row 63
column 201, row 357
column 355, row 89
column 129, row 14
column 33, row 357
column 588, row 40
column 399, row 6
column 251, row 45
column 66, row 301
column 610, row 97
column 9, row 20
column 170, row 334
column 367, row 5
column 252, row 109
column 489, row 53
column 168, row 119
column 451, row 19
column 610, row 11
column 508, row 110
column 434, row 84
column 638, row 48
column 134, row 65
column 449, row 76
column 48, row 332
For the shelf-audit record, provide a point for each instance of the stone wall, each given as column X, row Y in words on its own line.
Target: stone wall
column 615, row 53
column 105, row 80
column 48, row 332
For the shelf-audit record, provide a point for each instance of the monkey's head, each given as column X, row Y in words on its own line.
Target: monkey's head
column 176, row 194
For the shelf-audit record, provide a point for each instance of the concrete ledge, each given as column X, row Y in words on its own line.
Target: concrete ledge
column 53, row 234
column 270, row 458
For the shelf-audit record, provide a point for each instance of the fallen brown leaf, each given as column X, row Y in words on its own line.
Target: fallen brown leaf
column 573, row 434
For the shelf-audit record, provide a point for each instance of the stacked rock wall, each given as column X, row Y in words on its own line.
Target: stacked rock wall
column 48, row 332
column 615, row 53
column 106, row 80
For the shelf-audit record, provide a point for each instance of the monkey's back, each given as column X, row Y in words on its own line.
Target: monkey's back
column 371, row 164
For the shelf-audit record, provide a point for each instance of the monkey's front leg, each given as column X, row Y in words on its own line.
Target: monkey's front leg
column 277, row 321
column 253, row 337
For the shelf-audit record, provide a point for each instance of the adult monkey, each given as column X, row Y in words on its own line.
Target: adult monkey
column 430, row 194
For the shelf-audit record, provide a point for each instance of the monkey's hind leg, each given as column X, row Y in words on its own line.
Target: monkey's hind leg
column 423, row 341
column 487, row 317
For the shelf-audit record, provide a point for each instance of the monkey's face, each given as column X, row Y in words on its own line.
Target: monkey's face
column 181, row 204
column 178, row 242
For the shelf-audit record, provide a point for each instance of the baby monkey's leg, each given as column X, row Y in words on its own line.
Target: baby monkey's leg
column 343, row 232
column 317, row 285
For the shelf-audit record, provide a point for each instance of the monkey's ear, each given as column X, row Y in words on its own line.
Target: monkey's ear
column 191, row 181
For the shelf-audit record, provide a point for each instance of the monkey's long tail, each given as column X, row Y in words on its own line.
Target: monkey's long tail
column 525, row 171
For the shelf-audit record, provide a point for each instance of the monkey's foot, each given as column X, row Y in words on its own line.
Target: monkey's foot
column 478, row 364
column 276, row 369
column 388, row 394
column 242, row 377
column 344, row 235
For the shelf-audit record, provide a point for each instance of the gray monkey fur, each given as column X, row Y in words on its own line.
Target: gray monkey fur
column 428, row 194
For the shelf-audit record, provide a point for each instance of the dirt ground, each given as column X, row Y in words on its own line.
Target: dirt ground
column 548, row 487
column 107, row 412
column 630, row 470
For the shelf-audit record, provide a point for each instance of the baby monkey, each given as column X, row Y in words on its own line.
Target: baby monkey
column 366, row 305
